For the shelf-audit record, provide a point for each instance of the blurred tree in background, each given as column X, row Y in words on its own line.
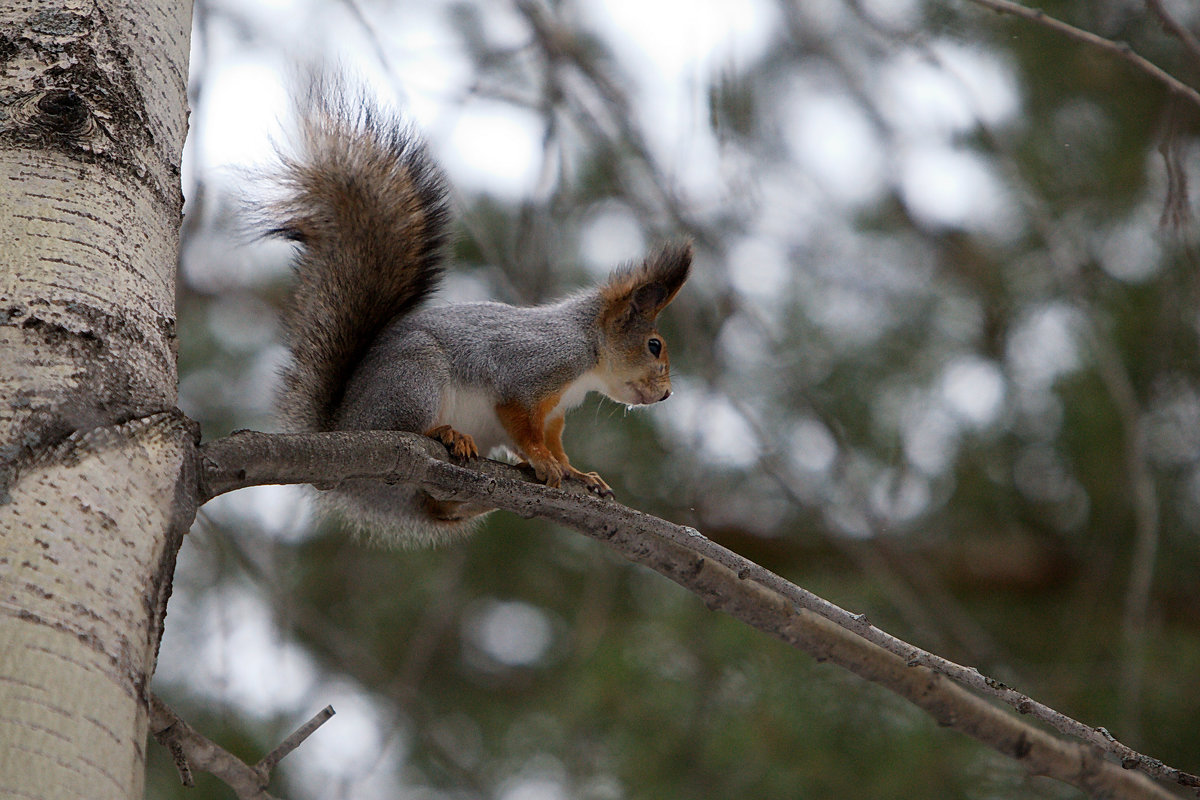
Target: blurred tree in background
column 938, row 363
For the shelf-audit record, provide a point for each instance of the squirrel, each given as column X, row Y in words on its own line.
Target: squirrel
column 368, row 209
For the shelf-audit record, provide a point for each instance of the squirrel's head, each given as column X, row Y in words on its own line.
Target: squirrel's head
column 633, row 354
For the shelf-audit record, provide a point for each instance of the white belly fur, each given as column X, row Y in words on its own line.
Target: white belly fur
column 472, row 410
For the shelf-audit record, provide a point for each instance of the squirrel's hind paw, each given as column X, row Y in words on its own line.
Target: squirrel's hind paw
column 460, row 445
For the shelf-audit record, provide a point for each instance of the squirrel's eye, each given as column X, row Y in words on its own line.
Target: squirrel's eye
column 655, row 346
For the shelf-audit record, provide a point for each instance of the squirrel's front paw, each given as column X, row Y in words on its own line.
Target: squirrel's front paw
column 460, row 445
column 548, row 470
column 592, row 481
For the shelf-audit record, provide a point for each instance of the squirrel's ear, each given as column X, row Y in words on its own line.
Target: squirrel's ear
column 662, row 276
column 646, row 289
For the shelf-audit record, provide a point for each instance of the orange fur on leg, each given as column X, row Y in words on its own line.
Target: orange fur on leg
column 527, row 427
column 591, row 480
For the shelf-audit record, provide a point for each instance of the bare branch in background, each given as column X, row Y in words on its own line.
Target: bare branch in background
column 1119, row 49
column 381, row 53
column 718, row 576
column 609, row 121
column 190, row 748
column 1146, row 522
column 1175, row 29
column 1177, row 207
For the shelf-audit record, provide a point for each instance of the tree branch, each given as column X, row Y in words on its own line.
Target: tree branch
column 1176, row 29
column 189, row 747
column 1119, row 49
column 723, row 579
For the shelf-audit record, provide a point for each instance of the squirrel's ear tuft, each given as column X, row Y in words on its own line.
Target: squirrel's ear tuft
column 645, row 290
column 663, row 274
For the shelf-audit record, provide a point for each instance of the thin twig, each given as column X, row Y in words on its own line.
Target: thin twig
column 297, row 738
column 1177, row 30
column 380, row 52
column 1119, row 49
column 1177, row 208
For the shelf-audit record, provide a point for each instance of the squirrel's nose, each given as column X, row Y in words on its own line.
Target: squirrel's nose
column 666, row 394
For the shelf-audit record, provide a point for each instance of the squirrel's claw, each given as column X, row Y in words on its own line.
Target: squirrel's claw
column 593, row 482
column 460, row 445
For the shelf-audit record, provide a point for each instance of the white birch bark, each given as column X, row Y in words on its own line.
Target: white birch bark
column 94, row 461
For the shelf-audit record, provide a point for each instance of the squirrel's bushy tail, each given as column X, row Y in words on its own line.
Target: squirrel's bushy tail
column 369, row 210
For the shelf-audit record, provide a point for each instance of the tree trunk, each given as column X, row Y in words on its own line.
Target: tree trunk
column 95, row 463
